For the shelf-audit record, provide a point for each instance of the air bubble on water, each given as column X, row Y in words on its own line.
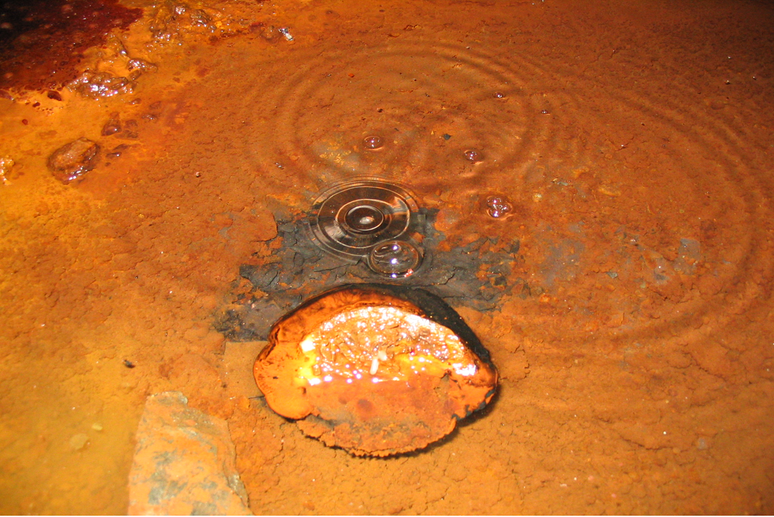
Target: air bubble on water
column 473, row 155
column 395, row 259
column 373, row 142
column 498, row 206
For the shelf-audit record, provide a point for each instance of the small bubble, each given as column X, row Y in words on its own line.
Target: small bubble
column 364, row 219
column 498, row 206
column 395, row 259
column 473, row 155
column 373, row 142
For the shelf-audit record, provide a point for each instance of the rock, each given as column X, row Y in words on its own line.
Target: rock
column 375, row 369
column 96, row 85
column 688, row 256
column 112, row 126
column 6, row 164
column 79, row 441
column 184, row 462
column 73, row 160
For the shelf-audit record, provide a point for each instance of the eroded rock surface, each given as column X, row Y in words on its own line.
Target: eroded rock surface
column 183, row 462
column 375, row 369
column 72, row 160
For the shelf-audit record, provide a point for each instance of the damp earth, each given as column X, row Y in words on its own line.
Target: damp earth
column 587, row 186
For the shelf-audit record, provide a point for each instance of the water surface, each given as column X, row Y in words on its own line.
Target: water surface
column 631, row 140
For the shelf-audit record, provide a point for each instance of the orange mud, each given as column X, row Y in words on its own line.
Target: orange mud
column 632, row 138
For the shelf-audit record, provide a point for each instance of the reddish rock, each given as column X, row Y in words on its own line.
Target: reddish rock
column 184, row 462
column 73, row 160
column 375, row 369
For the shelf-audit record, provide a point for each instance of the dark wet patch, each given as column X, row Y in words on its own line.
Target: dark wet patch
column 42, row 42
column 290, row 268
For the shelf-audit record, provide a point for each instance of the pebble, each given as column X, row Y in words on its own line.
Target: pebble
column 5, row 168
column 112, row 126
column 79, row 441
column 95, row 85
column 73, row 160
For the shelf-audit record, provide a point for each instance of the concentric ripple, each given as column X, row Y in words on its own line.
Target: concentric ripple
column 409, row 112
column 641, row 209
column 351, row 219
column 665, row 234
column 716, row 259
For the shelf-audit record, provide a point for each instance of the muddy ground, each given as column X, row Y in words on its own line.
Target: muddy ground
column 633, row 328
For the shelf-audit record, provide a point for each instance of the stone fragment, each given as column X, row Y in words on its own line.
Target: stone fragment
column 6, row 164
column 112, row 126
column 73, row 160
column 96, row 85
column 184, row 462
column 79, row 441
column 375, row 369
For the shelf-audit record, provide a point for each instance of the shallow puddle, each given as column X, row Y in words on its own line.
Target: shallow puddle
column 599, row 175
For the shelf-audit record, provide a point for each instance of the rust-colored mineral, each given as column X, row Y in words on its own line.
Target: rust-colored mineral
column 73, row 160
column 375, row 369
